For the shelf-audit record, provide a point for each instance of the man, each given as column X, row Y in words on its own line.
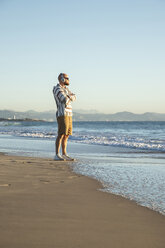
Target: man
column 63, row 97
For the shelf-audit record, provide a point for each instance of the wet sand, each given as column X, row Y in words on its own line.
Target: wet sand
column 43, row 204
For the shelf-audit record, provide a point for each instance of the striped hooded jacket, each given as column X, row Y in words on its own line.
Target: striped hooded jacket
column 63, row 98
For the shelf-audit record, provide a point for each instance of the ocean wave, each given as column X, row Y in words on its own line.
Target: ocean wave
column 9, row 123
column 39, row 135
column 24, row 123
column 148, row 136
column 45, row 135
column 127, row 142
column 117, row 140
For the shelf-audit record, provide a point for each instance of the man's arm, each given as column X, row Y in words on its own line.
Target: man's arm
column 71, row 96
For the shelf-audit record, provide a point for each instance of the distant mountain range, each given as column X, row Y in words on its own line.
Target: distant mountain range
column 82, row 116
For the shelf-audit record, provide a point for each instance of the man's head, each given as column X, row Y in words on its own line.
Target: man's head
column 63, row 79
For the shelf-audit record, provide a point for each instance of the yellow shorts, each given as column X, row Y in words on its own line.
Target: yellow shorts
column 64, row 125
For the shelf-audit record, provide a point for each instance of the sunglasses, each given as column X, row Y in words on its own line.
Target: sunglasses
column 66, row 78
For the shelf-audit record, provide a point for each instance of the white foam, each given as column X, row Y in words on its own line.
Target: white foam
column 140, row 143
column 140, row 180
column 149, row 136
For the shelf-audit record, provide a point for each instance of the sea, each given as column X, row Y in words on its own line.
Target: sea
column 128, row 158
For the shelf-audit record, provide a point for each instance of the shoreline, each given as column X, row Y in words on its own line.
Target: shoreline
column 104, row 189
column 45, row 204
column 101, row 186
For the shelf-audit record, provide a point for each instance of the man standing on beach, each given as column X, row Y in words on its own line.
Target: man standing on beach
column 63, row 97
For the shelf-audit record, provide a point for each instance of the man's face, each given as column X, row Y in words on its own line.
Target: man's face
column 66, row 79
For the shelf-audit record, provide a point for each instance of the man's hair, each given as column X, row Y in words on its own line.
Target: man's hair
column 60, row 76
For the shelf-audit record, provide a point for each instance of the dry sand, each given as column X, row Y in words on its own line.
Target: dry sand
column 43, row 204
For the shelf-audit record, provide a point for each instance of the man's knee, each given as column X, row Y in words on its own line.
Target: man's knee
column 66, row 136
column 60, row 136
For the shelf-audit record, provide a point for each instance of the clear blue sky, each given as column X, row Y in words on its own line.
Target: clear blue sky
column 113, row 52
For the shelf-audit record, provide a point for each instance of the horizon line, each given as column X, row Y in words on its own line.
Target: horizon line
column 97, row 112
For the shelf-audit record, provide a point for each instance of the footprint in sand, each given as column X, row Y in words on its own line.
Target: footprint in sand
column 70, row 177
column 44, row 181
column 5, row 185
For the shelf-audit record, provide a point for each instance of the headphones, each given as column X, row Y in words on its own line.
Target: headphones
column 62, row 78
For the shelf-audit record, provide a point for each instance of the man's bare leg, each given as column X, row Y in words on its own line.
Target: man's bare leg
column 64, row 144
column 58, row 142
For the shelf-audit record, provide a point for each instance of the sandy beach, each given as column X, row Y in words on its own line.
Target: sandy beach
column 44, row 204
